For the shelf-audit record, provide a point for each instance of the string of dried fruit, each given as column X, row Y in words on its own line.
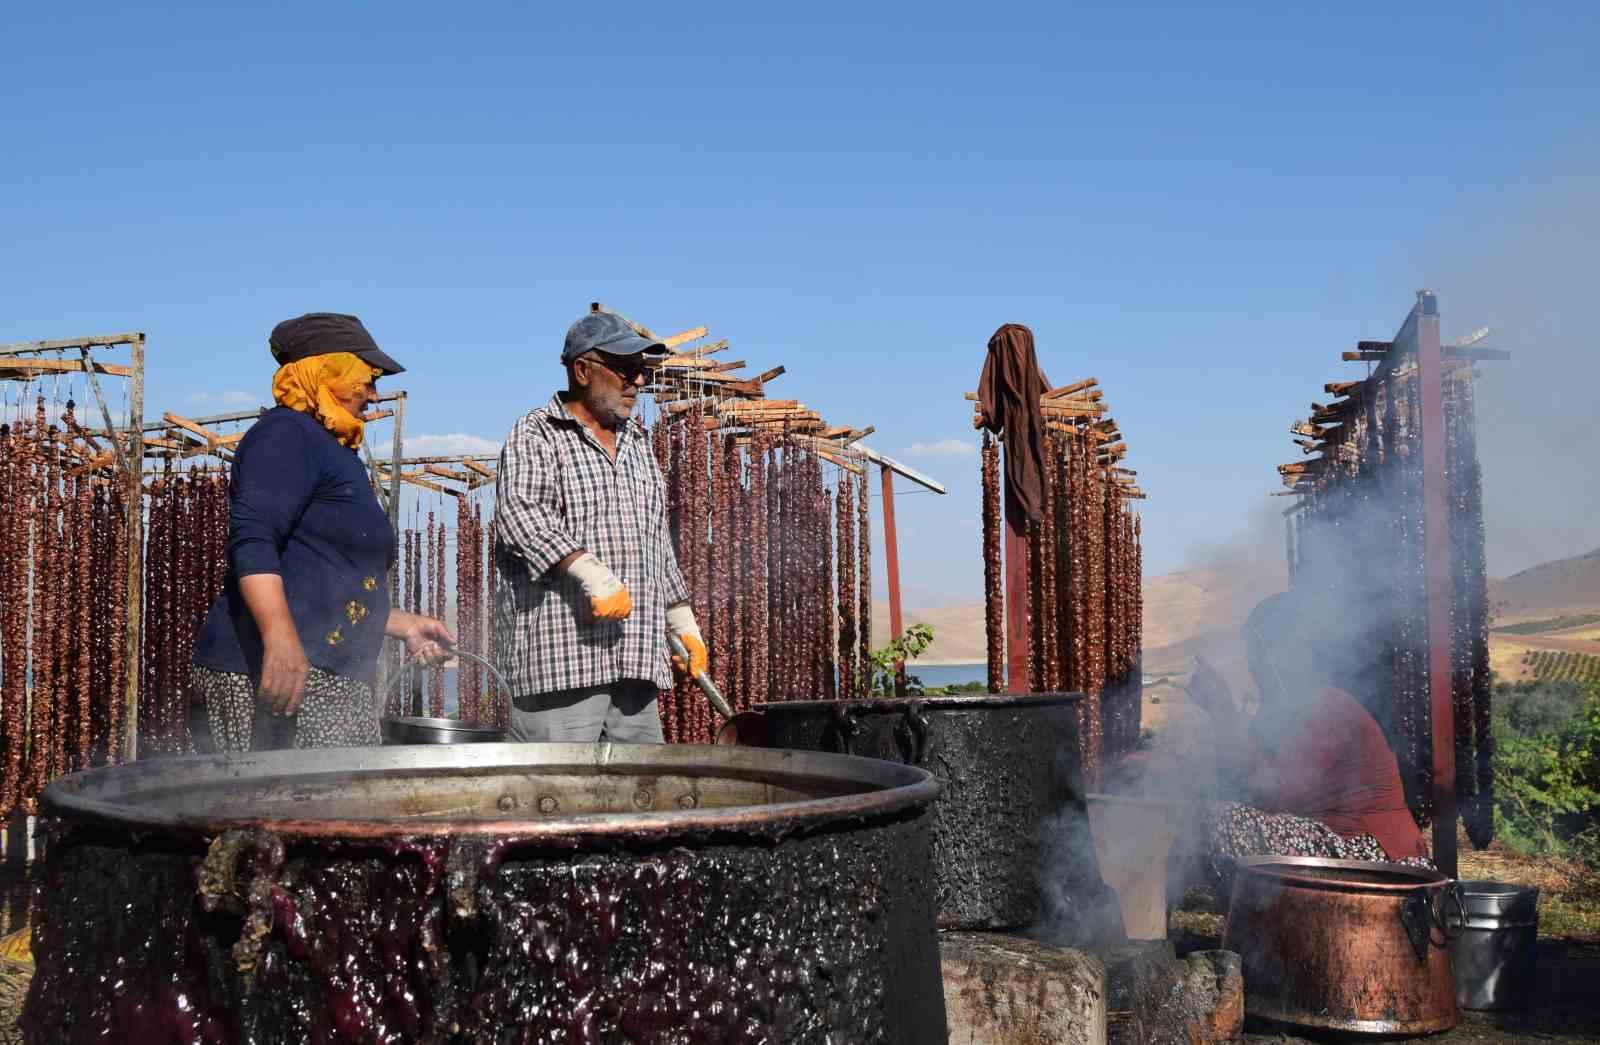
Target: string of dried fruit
column 736, row 605
column 774, row 572
column 844, row 529
column 466, row 699
column 85, row 594
column 993, row 593
column 664, row 444
column 758, row 662
column 116, row 691
column 717, row 552
column 698, row 717
column 864, row 583
column 1050, row 624
column 1471, row 619
column 819, row 582
column 42, row 630
column 14, row 553
column 436, row 681
column 500, row 701
column 828, row 661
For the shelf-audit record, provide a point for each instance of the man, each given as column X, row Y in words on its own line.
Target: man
column 589, row 584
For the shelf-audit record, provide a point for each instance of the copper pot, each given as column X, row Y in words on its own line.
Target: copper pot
column 1345, row 945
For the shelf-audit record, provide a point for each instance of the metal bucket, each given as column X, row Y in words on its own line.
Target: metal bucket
column 1495, row 958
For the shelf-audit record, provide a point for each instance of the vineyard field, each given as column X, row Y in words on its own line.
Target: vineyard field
column 1562, row 666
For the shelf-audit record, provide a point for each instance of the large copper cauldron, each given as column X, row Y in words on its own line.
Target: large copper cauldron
column 1345, row 945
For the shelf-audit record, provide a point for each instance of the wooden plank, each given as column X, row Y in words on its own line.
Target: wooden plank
column 36, row 367
column 1076, row 386
column 487, row 473
column 445, row 473
column 72, row 344
column 211, row 438
column 693, row 334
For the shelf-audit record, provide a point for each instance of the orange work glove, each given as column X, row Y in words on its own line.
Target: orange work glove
column 608, row 598
column 681, row 622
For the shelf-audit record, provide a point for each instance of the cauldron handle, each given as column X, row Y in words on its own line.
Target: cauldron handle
column 1452, row 894
column 916, row 725
column 844, row 722
column 1417, row 916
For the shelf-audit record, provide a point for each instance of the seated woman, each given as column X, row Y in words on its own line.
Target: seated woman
column 1312, row 769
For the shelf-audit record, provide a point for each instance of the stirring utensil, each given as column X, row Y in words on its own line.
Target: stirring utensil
column 701, row 679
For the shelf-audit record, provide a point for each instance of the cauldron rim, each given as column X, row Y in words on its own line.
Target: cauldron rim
column 1283, row 869
column 888, row 788
column 951, row 702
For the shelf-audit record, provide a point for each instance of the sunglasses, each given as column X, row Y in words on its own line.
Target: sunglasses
column 629, row 372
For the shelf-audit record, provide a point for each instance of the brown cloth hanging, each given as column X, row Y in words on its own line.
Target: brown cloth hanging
column 1008, row 400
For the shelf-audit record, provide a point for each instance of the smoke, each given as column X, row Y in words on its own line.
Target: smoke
column 1527, row 274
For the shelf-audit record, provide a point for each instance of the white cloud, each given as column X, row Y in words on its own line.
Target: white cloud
column 942, row 448
column 453, row 443
column 227, row 399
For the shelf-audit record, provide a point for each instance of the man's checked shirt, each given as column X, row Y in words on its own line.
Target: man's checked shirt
column 558, row 492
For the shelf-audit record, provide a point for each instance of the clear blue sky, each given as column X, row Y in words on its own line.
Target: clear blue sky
column 1200, row 204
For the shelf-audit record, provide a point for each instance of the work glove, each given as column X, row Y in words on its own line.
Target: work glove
column 681, row 622
column 608, row 598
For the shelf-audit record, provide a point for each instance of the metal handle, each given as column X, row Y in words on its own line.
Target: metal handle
column 499, row 679
column 1452, row 894
column 701, row 679
column 844, row 721
column 916, row 728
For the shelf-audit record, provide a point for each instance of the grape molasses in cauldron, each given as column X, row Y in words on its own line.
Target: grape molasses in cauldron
column 488, row 893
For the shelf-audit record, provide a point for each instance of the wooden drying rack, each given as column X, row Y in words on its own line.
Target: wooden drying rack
column 117, row 461
column 1080, row 408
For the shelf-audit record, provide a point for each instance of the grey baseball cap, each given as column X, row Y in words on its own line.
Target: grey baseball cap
column 606, row 332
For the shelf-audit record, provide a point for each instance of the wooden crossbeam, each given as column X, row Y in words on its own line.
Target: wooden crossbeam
column 11, row 368
column 692, row 334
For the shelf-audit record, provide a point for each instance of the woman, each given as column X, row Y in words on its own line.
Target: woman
column 1312, row 768
column 288, row 653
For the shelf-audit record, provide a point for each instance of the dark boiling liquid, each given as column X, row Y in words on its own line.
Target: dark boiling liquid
column 795, row 941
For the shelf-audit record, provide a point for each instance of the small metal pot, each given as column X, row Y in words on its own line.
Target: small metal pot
column 1345, row 945
column 412, row 729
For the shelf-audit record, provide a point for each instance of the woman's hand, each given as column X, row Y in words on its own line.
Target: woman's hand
column 283, row 673
column 426, row 638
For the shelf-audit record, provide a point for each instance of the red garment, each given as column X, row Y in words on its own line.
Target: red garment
column 1337, row 768
column 1008, row 400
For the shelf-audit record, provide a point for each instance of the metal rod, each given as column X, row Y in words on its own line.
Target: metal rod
column 1436, row 559
column 133, row 498
column 891, row 548
column 896, row 467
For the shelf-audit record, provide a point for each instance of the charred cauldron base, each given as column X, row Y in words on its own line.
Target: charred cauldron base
column 783, row 900
column 1011, row 803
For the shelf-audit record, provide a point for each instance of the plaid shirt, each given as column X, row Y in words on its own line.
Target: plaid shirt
column 559, row 492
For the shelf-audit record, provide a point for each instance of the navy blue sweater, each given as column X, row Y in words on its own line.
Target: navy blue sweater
column 302, row 506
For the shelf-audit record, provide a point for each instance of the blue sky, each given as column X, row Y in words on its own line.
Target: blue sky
column 1201, row 205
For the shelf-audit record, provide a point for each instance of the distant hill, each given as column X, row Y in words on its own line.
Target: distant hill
column 1550, row 589
column 1199, row 611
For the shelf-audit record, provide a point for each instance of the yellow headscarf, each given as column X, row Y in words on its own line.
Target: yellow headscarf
column 310, row 385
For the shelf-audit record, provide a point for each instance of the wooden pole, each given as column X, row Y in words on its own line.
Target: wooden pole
column 394, row 471
column 891, row 549
column 1016, row 566
column 1436, row 559
column 133, row 503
